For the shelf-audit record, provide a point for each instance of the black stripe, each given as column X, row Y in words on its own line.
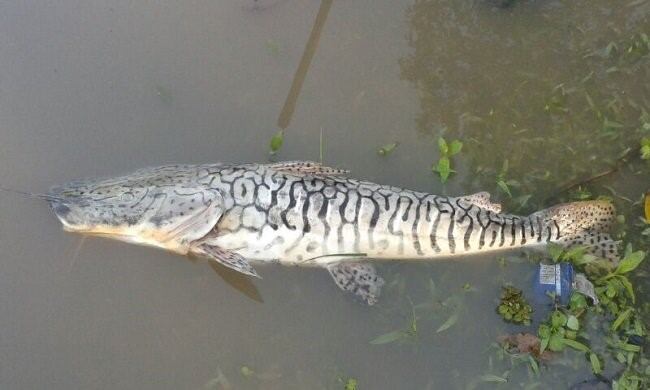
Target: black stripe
column 470, row 227
column 498, row 222
column 292, row 204
column 513, row 232
column 539, row 227
column 414, row 231
column 405, row 215
column 306, row 227
column 391, row 220
column 373, row 222
column 523, row 231
column 481, row 241
column 450, row 231
column 558, row 229
column 434, row 228
column 503, row 232
column 322, row 215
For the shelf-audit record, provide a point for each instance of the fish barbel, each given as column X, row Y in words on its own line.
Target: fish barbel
column 304, row 213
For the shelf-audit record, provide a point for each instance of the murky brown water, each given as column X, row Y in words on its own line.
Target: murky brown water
column 90, row 89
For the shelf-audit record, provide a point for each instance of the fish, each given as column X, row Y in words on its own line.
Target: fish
column 304, row 213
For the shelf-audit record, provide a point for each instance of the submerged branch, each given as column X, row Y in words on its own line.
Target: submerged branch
column 620, row 163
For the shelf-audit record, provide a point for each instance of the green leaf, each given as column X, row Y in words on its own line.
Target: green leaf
column 504, row 168
column 276, row 141
column 573, row 323
column 645, row 152
column 246, row 371
column 621, row 318
column 555, row 343
column 389, row 337
column 387, row 149
column 444, row 168
column 543, row 345
column 504, row 187
column 629, row 347
column 351, row 384
column 455, row 147
column 628, row 286
column 558, row 319
column 493, row 378
column 630, row 262
column 576, row 253
column 533, row 364
column 451, row 321
column 595, row 363
column 576, row 345
column 442, row 146
column 544, row 331
column 555, row 251
column 577, row 302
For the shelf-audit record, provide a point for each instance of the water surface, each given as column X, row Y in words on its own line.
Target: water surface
column 95, row 89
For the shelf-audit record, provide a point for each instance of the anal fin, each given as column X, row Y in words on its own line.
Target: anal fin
column 225, row 257
column 358, row 278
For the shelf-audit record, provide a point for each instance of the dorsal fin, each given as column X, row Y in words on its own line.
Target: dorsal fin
column 482, row 200
column 307, row 168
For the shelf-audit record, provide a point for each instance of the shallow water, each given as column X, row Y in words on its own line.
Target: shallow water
column 91, row 89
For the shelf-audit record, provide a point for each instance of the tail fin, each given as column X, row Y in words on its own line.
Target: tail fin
column 584, row 223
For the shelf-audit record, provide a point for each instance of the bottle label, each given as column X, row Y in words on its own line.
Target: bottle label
column 547, row 273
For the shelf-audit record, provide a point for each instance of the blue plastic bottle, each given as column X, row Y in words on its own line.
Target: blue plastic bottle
column 553, row 280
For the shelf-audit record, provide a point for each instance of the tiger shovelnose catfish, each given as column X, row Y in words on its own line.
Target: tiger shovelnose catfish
column 304, row 213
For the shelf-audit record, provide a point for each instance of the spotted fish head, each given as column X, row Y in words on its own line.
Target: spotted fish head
column 165, row 207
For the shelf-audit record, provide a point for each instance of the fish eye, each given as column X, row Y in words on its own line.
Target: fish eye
column 127, row 197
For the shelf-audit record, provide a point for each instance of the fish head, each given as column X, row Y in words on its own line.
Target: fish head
column 160, row 207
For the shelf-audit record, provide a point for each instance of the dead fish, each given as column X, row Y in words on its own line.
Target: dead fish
column 304, row 213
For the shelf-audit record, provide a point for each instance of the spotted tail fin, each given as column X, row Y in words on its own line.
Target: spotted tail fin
column 584, row 223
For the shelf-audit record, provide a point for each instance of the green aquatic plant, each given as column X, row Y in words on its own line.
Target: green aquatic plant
column 401, row 335
column 645, row 148
column 387, row 149
column 447, row 150
column 276, row 142
column 513, row 307
column 351, row 384
column 616, row 307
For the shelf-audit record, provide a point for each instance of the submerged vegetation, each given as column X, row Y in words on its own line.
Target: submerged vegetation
column 534, row 135
column 513, row 306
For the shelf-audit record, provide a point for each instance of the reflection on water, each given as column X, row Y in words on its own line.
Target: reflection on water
column 90, row 89
column 533, row 85
column 299, row 77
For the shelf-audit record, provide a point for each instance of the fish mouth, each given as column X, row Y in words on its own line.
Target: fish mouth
column 66, row 216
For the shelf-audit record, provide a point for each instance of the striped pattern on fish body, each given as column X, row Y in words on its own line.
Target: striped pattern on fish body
column 275, row 214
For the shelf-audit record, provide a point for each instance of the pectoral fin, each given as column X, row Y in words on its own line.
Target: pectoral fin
column 225, row 257
column 358, row 278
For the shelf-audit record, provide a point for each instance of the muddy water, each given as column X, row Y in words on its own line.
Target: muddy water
column 90, row 89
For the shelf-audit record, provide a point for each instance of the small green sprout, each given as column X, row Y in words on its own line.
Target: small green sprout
column 276, row 142
column 387, row 149
column 645, row 148
column 443, row 167
column 351, row 384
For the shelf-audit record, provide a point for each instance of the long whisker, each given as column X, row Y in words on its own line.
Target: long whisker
column 46, row 197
